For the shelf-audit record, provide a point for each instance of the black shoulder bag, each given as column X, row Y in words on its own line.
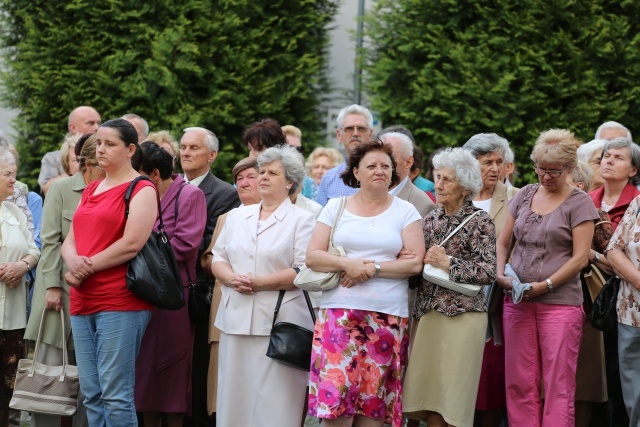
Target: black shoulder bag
column 153, row 273
column 200, row 294
column 603, row 312
column 290, row 343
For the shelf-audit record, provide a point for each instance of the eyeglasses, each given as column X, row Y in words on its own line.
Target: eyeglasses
column 351, row 129
column 552, row 173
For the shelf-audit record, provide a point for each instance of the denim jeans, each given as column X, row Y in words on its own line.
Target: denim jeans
column 107, row 344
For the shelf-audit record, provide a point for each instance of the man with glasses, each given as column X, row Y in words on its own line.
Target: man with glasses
column 355, row 126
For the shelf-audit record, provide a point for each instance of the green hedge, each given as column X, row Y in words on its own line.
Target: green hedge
column 450, row 69
column 217, row 64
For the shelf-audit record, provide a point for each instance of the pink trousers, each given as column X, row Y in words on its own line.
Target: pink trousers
column 542, row 341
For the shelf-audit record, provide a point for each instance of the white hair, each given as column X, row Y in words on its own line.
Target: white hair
column 355, row 109
column 585, row 151
column 465, row 166
column 482, row 144
column 612, row 125
column 211, row 140
column 406, row 145
column 292, row 162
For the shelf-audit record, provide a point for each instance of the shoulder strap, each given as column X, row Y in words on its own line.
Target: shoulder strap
column 459, row 227
column 279, row 303
column 129, row 193
column 343, row 203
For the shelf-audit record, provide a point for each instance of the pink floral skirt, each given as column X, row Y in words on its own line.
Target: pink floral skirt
column 357, row 363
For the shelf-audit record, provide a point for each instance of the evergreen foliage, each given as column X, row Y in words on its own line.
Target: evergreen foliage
column 220, row 64
column 449, row 69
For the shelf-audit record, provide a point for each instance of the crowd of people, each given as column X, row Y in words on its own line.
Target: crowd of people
column 389, row 345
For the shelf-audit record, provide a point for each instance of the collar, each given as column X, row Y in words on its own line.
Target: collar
column 465, row 210
column 394, row 191
column 197, row 180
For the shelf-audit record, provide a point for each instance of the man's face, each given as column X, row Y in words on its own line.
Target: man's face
column 613, row 133
column 85, row 120
column 403, row 164
column 195, row 156
column 355, row 131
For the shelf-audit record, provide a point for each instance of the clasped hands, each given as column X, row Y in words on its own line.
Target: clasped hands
column 11, row 273
column 80, row 268
column 245, row 283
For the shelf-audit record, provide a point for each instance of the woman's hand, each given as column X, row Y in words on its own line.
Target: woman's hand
column 11, row 273
column 437, row 257
column 357, row 271
column 240, row 283
column 504, row 281
column 537, row 289
column 79, row 266
column 53, row 299
column 72, row 280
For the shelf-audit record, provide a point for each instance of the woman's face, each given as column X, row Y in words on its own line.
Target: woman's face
column 449, row 192
column 616, row 165
column 374, row 171
column 72, row 161
column 491, row 168
column 110, row 148
column 7, row 180
column 247, row 186
column 321, row 164
column 272, row 182
column 553, row 176
column 594, row 164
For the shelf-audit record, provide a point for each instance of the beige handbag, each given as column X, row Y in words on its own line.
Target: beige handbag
column 316, row 281
column 46, row 389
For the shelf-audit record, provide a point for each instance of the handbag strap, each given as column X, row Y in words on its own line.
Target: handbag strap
column 129, row 193
column 343, row 203
column 281, row 296
column 458, row 228
column 65, row 357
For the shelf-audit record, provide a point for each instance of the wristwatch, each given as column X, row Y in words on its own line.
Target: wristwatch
column 28, row 265
column 596, row 255
column 549, row 285
column 377, row 266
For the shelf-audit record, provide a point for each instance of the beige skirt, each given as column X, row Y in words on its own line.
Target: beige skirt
column 591, row 377
column 444, row 367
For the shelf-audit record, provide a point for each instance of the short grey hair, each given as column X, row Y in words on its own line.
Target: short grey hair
column 145, row 125
column 465, row 166
column 482, row 144
column 355, row 109
column 211, row 140
column 406, row 145
column 585, row 151
column 583, row 173
column 6, row 156
column 509, row 157
column 610, row 125
column 634, row 151
column 292, row 161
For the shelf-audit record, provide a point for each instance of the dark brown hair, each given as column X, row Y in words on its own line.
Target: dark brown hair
column 263, row 134
column 356, row 157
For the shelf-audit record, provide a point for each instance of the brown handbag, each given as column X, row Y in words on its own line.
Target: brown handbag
column 43, row 388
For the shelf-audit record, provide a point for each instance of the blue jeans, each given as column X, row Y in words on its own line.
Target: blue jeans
column 107, row 345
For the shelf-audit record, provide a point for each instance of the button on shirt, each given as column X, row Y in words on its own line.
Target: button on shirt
column 332, row 185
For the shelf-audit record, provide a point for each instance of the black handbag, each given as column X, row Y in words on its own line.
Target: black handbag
column 290, row 343
column 200, row 294
column 603, row 314
column 153, row 273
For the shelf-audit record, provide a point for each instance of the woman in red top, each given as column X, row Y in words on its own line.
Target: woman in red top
column 108, row 321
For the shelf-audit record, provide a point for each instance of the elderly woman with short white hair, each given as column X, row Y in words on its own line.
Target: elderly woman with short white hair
column 254, row 258
column 591, row 153
column 441, row 383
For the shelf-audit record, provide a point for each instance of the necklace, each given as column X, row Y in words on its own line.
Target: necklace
column 372, row 217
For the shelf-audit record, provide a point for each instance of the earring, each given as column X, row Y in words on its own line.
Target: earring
column 287, row 187
column 357, row 183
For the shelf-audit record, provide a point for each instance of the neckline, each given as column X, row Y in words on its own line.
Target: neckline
column 535, row 190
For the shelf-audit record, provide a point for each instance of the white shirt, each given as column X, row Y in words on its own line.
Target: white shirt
column 16, row 242
column 485, row 205
column 196, row 181
column 381, row 242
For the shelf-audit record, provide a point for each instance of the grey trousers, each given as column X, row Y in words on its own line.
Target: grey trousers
column 52, row 355
column 629, row 355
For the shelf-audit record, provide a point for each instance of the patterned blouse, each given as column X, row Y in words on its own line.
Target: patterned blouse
column 473, row 260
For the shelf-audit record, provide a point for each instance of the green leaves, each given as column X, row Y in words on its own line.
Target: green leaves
column 218, row 64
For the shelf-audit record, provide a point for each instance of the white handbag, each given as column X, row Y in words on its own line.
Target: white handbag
column 316, row 281
column 440, row 277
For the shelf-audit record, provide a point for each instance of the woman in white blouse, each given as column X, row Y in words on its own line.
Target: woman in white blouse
column 18, row 255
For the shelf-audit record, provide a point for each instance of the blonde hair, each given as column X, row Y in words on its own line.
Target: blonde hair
column 87, row 153
column 556, row 146
column 68, row 146
column 334, row 157
column 291, row 130
column 164, row 136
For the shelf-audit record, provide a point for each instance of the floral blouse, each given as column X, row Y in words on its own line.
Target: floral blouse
column 627, row 239
column 473, row 260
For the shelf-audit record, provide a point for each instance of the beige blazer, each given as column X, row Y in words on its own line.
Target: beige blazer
column 281, row 243
column 498, row 210
column 417, row 198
